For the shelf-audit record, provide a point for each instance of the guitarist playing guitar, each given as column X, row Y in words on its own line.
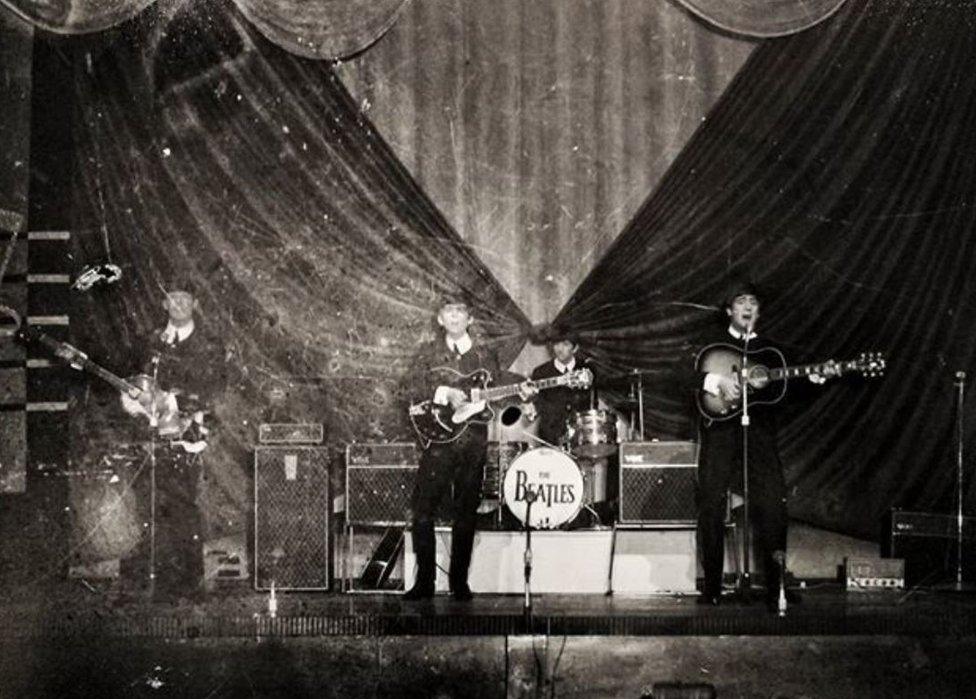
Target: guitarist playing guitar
column 458, row 461
column 720, row 458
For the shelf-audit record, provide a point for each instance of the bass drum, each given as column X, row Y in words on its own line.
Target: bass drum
column 553, row 477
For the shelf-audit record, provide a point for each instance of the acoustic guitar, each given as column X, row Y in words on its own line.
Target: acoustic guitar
column 766, row 374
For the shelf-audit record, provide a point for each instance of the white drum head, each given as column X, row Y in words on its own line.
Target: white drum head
column 556, row 481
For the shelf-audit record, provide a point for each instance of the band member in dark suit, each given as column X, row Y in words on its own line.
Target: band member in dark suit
column 185, row 372
column 460, row 462
column 720, row 459
column 557, row 405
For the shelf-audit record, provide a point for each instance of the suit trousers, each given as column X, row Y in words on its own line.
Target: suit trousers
column 458, row 465
column 720, row 470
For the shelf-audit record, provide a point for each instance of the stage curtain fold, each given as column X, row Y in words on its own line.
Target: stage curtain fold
column 326, row 29
column 837, row 171
column 261, row 186
column 763, row 18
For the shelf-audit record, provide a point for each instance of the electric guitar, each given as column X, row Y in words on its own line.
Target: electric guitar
column 435, row 423
column 140, row 395
column 766, row 373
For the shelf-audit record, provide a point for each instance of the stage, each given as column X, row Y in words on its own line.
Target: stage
column 83, row 639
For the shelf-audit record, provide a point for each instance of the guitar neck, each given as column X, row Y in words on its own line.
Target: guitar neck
column 499, row 392
column 85, row 363
column 792, row 372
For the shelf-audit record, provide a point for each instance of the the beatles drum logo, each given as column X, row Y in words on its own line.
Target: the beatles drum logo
column 553, row 478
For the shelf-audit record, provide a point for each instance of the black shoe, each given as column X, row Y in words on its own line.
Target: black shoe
column 462, row 593
column 418, row 592
column 709, row 600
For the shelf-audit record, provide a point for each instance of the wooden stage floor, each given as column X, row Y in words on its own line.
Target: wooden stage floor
column 826, row 609
column 76, row 639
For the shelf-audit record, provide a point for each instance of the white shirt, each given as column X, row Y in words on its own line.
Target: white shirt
column 563, row 368
column 711, row 380
column 172, row 334
column 463, row 344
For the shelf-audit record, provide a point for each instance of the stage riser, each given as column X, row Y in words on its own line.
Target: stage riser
column 644, row 562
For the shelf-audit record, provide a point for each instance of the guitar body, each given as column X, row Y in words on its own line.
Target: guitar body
column 437, row 424
column 727, row 360
column 440, row 424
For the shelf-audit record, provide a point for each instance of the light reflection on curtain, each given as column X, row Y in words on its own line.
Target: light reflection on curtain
column 313, row 28
column 763, row 18
column 839, row 169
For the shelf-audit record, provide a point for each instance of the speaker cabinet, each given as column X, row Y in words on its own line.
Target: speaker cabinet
column 379, row 482
column 928, row 542
column 291, row 518
column 658, row 482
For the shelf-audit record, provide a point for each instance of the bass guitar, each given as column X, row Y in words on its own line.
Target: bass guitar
column 765, row 375
column 140, row 395
column 435, row 423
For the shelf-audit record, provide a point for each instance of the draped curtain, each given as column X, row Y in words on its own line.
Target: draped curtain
column 763, row 18
column 261, row 187
column 838, row 170
column 339, row 28
column 313, row 28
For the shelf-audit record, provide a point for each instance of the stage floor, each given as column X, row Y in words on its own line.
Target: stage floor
column 80, row 640
column 79, row 608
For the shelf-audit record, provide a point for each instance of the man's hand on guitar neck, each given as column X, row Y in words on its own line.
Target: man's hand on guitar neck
column 830, row 369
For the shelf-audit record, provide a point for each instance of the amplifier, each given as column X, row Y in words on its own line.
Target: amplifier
column 291, row 518
column 864, row 573
column 658, row 481
column 927, row 542
column 291, row 433
column 379, row 482
column 931, row 524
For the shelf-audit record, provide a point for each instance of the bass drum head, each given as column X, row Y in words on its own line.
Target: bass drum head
column 555, row 479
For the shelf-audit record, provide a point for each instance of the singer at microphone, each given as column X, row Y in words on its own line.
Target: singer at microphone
column 720, row 467
column 183, row 369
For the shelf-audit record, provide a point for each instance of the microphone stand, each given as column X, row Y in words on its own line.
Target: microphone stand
column 153, row 425
column 527, row 559
column 745, row 580
column 958, row 585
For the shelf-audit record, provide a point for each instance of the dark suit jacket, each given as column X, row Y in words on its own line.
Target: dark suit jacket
column 556, row 405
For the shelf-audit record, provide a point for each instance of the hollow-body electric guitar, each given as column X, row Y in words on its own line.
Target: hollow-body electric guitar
column 766, row 373
column 435, row 423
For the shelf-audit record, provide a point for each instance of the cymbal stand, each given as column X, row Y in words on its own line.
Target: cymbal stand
column 638, row 384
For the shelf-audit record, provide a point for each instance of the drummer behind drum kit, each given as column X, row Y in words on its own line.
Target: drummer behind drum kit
column 564, row 482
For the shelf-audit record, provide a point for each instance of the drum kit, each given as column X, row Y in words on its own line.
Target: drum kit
column 561, row 482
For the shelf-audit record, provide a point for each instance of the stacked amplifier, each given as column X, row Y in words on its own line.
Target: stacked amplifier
column 291, row 508
column 379, row 482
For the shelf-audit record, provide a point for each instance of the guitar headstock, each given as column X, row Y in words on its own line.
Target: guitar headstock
column 580, row 378
column 870, row 364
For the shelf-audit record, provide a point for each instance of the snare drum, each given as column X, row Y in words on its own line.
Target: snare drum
column 556, row 481
column 593, row 433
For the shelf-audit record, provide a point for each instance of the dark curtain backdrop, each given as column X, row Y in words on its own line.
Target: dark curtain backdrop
column 839, row 171
column 259, row 184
